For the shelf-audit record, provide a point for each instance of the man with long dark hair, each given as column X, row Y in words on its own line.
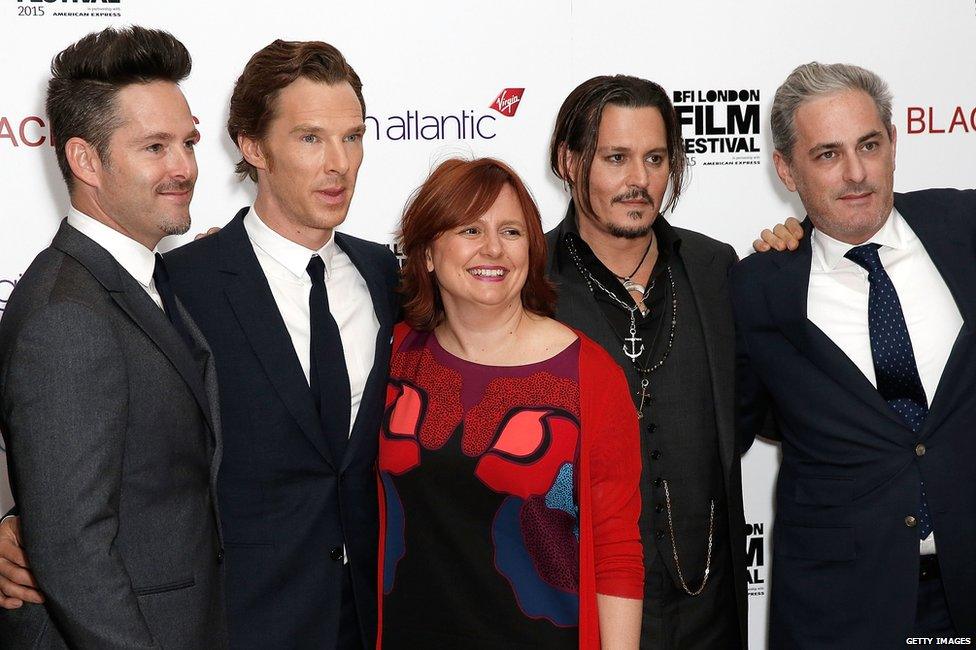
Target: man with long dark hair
column 107, row 392
column 655, row 297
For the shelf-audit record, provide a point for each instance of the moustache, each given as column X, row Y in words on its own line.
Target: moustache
column 175, row 186
column 858, row 188
column 633, row 195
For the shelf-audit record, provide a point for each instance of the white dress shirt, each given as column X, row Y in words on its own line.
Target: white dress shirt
column 284, row 264
column 136, row 259
column 837, row 303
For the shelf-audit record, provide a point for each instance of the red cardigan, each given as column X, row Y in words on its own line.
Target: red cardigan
column 611, row 557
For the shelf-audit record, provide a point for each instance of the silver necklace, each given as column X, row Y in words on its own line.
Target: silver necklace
column 629, row 283
column 630, row 343
column 674, row 544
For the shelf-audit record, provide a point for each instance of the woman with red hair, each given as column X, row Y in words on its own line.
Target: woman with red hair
column 509, row 454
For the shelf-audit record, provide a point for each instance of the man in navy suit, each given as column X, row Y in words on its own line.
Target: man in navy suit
column 299, row 318
column 861, row 345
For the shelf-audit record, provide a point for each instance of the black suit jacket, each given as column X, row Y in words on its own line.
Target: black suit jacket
column 845, row 565
column 113, row 437
column 707, row 263
column 288, row 506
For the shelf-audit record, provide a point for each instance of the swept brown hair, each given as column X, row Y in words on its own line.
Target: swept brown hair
column 456, row 193
column 273, row 67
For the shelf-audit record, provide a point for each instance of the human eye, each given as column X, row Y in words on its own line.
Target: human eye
column 310, row 138
column 353, row 137
column 870, row 145
column 190, row 144
column 615, row 158
column 512, row 232
column 655, row 159
column 828, row 155
column 156, row 147
column 469, row 230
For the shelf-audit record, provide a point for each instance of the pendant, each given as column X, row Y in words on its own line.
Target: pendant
column 630, row 285
column 633, row 340
column 643, row 396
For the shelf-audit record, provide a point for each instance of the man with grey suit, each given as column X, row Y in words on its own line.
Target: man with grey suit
column 107, row 389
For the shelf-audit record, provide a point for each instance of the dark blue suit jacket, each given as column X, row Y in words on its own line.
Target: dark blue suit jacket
column 286, row 503
column 845, row 564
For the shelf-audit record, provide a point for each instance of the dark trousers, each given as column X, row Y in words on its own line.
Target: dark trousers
column 673, row 620
column 932, row 611
column 350, row 637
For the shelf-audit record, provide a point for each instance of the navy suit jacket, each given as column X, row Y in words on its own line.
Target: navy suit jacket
column 287, row 505
column 845, row 564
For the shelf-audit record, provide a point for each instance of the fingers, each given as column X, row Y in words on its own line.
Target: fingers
column 759, row 245
column 211, row 231
column 17, row 584
column 795, row 227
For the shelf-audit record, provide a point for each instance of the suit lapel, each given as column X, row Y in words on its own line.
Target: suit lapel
column 955, row 260
column 702, row 278
column 257, row 312
column 137, row 304
column 786, row 295
column 379, row 294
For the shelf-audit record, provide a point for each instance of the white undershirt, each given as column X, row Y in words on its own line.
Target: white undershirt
column 137, row 260
column 284, row 263
column 837, row 303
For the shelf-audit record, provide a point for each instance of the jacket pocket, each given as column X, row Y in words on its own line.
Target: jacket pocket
column 814, row 543
column 164, row 587
column 824, row 491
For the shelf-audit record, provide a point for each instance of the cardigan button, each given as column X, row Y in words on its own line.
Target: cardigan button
column 659, row 535
column 656, row 454
column 336, row 554
column 659, row 508
column 658, row 482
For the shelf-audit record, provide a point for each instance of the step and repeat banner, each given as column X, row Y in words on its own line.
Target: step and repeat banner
column 445, row 78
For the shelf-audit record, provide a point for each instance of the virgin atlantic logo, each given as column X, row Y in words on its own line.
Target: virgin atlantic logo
column 508, row 101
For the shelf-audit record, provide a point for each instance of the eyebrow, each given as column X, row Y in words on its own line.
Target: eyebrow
column 619, row 149
column 837, row 145
column 310, row 128
column 166, row 135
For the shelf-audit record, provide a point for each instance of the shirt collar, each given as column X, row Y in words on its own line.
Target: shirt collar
column 829, row 252
column 290, row 255
column 137, row 260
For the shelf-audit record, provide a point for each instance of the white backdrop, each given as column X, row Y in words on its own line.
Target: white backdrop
column 447, row 58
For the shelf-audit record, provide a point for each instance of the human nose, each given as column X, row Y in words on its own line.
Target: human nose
column 492, row 244
column 854, row 169
column 183, row 164
column 336, row 159
column 637, row 175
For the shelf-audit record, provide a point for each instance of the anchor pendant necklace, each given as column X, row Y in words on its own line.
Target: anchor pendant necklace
column 631, row 343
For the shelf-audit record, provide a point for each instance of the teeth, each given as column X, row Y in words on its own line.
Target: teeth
column 493, row 273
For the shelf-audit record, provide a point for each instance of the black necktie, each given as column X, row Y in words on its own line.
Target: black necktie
column 893, row 355
column 161, row 280
column 328, row 377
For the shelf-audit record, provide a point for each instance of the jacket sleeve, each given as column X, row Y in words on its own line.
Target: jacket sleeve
column 65, row 402
column 615, row 467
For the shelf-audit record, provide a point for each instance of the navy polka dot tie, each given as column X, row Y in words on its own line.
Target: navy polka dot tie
column 894, row 359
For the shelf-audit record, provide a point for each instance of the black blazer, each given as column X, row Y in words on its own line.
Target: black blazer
column 287, row 505
column 707, row 263
column 845, row 565
column 113, row 436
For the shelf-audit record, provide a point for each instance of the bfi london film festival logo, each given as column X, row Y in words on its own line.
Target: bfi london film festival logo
column 719, row 127
column 69, row 8
column 756, row 558
column 415, row 124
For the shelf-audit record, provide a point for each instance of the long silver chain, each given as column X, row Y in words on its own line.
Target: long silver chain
column 674, row 543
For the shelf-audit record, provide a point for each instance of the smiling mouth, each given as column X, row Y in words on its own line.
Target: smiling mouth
column 855, row 197
column 488, row 273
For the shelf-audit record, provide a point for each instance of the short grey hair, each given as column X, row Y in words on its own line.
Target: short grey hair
column 812, row 80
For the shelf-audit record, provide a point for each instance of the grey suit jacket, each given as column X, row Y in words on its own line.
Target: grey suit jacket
column 113, row 442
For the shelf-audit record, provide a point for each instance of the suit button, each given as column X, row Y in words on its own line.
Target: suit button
column 220, row 556
column 659, row 508
column 911, row 521
column 336, row 554
column 651, row 427
column 656, row 454
column 658, row 481
column 919, row 449
column 659, row 535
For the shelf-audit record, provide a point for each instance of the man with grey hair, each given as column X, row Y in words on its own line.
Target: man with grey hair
column 861, row 344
